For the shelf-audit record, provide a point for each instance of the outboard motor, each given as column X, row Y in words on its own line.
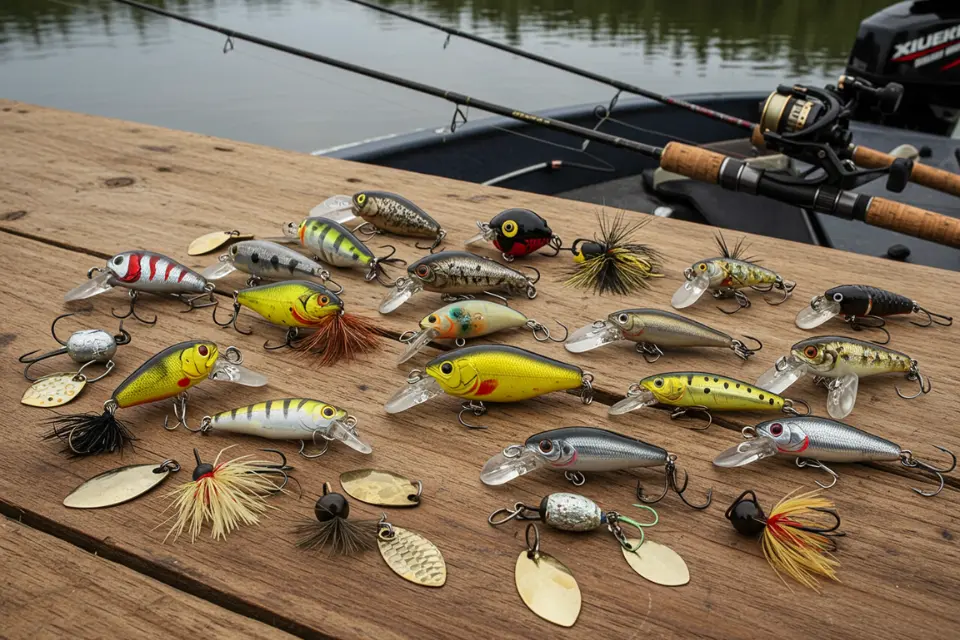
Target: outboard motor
column 915, row 44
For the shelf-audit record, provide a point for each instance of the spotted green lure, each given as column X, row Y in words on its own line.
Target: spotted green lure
column 382, row 211
column 336, row 245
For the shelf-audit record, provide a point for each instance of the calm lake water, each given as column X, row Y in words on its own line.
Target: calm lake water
column 101, row 57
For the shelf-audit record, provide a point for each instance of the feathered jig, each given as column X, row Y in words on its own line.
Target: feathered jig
column 610, row 262
column 341, row 337
column 332, row 530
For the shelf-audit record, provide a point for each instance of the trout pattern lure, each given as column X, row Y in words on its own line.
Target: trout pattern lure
column 611, row 263
column 382, row 211
column 517, row 233
column 336, row 245
column 263, row 259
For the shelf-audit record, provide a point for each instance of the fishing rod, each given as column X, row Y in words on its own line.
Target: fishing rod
column 806, row 123
column 693, row 162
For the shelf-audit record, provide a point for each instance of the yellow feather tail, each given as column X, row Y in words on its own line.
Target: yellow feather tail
column 802, row 555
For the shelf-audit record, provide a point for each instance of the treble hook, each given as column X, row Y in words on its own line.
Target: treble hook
column 907, row 460
column 948, row 320
column 670, row 482
column 682, row 411
column 134, row 294
column 311, row 456
column 876, row 322
column 925, row 384
column 816, row 464
column 180, row 412
column 742, row 350
column 281, row 469
column 534, row 269
column 191, row 302
column 436, row 242
column 542, row 334
column 742, row 301
column 647, row 350
column 556, row 244
column 233, row 318
column 477, row 408
column 785, row 286
column 376, row 267
column 291, row 335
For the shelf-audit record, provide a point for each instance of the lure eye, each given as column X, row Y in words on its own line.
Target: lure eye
column 324, row 299
column 327, row 412
column 545, row 446
column 838, row 297
column 776, row 429
column 446, row 368
column 702, row 266
column 432, row 319
column 361, row 198
column 811, row 351
column 622, row 318
column 117, row 260
column 423, row 271
column 509, row 228
column 234, row 250
column 202, row 350
column 658, row 383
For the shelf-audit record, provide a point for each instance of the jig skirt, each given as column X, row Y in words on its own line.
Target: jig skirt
column 611, row 262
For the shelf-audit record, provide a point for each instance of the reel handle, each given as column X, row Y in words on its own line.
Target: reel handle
column 921, row 174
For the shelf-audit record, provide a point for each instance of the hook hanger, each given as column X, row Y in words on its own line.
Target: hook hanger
column 132, row 311
column 476, row 408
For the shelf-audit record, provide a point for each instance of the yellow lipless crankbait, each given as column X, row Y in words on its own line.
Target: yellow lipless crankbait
column 168, row 374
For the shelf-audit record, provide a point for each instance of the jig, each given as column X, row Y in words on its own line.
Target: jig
column 382, row 488
column 611, row 263
column 265, row 259
column 166, row 375
column 382, row 211
column 214, row 240
column 574, row 450
column 545, row 585
column 816, row 440
column 85, row 347
column 459, row 273
column 119, row 485
column 490, row 373
column 517, row 233
column 145, row 271
column 726, row 276
column 842, row 361
column 470, row 319
column 652, row 330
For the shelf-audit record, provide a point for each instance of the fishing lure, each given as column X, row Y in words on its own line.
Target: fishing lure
column 517, row 233
column 702, row 392
column 470, row 319
column 795, row 539
column 289, row 419
column 85, row 347
column 139, row 271
column 574, row 450
column 336, row 245
column 726, row 276
column 265, row 259
column 545, row 584
column 168, row 374
column 859, row 302
column 383, row 211
column 842, row 361
column 815, row 441
column 652, row 330
column 214, row 240
column 382, row 488
column 457, row 273
column 120, row 485
column 490, row 373
column 308, row 307
column 611, row 263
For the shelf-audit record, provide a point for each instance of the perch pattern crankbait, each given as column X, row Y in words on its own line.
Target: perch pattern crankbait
column 726, row 276
column 269, row 260
column 842, row 361
column 382, row 211
column 574, row 450
column 336, row 245
column 652, row 330
column 611, row 263
column 814, row 441
column 517, row 233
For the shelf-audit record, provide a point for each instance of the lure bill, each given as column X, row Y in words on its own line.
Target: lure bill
column 120, row 485
column 384, row 211
column 516, row 233
column 611, row 262
column 267, row 260
column 336, row 245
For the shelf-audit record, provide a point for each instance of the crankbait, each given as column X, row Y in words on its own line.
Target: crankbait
column 382, row 488
column 545, row 584
column 457, row 273
column 265, row 259
column 166, row 375
column 702, row 392
column 336, row 245
column 146, row 271
column 120, row 485
column 727, row 276
column 85, row 347
column 574, row 450
column 653, row 329
column 289, row 419
column 383, row 211
column 816, row 440
column 490, row 373
column 611, row 263
column 300, row 306
column 517, row 233
column 858, row 302
column 214, row 240
column 470, row 319
column 844, row 361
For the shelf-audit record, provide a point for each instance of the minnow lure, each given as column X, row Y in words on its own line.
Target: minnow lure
column 858, row 302
column 336, row 245
column 470, row 319
column 726, row 276
column 490, row 373
column 652, row 330
column 844, row 361
column 574, row 450
column 300, row 419
column 517, row 233
column 266, row 259
column 145, row 271
column 456, row 273
column 703, row 392
column 300, row 305
column 168, row 374
column 611, row 263
column 383, row 211
column 816, row 440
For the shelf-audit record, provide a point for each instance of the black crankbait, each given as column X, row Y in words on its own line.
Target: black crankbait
column 517, row 233
column 382, row 211
column 611, row 263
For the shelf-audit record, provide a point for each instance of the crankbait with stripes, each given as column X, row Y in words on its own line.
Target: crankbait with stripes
column 336, row 245
column 813, row 441
column 263, row 259
column 168, row 374
column 382, row 211
column 517, row 233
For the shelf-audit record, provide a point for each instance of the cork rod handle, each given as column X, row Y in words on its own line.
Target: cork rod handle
column 913, row 221
column 922, row 174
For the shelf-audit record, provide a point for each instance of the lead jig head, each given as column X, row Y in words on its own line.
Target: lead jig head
column 517, row 233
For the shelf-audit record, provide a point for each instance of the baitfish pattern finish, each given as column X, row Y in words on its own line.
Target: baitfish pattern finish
column 292, row 303
column 592, row 449
column 729, row 273
column 148, row 271
column 395, row 214
column 827, row 440
column 701, row 389
column 835, row 356
column 465, row 272
column 265, row 259
column 168, row 373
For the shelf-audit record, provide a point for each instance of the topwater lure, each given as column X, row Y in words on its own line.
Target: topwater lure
column 859, row 302
column 653, row 329
column 383, row 211
column 727, row 276
column 517, row 233
column 611, row 263
column 574, row 450
column 490, row 373
column 470, row 319
column 266, row 259
column 147, row 271
column 843, row 361
column 458, row 273
column 166, row 375
column 815, row 441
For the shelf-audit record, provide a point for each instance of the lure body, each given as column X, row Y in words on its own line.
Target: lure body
column 334, row 244
column 291, row 303
column 168, row 373
column 395, row 214
column 463, row 272
column 270, row 260
column 284, row 419
column 827, row 440
column 666, row 329
column 863, row 300
column 730, row 273
column 592, row 449
column 94, row 345
column 700, row 389
column 571, row 512
column 148, row 271
column 835, row 356
column 519, row 232
column 472, row 319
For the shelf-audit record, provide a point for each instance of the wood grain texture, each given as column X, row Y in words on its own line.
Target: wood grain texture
column 693, row 162
column 899, row 557
column 913, row 221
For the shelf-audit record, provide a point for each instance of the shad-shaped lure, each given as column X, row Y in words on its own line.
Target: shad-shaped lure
column 839, row 363
column 814, row 441
column 517, row 233
column 263, row 259
column 652, row 330
column 336, row 245
column 383, row 212
column 575, row 450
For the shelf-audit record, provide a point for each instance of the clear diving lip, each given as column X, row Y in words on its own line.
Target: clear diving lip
column 747, row 452
column 413, row 394
column 819, row 311
column 399, row 294
column 511, row 463
column 343, row 432
column 636, row 399
column 417, row 343
column 690, row 291
column 593, row 336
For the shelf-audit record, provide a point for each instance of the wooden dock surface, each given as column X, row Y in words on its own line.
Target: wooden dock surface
column 76, row 189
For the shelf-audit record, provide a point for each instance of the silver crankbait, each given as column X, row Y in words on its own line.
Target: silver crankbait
column 265, row 259
column 382, row 212
column 817, row 440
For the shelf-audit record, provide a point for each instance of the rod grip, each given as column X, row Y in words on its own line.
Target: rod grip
column 913, row 221
column 693, row 162
column 921, row 174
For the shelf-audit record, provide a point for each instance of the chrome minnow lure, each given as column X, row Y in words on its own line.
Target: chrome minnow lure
column 300, row 419
column 726, row 276
column 653, row 329
column 469, row 319
column 383, row 211
column 145, row 271
column 456, row 273
column 517, row 233
column 574, row 450
column 336, row 245
column 814, row 440
column 269, row 260
column 843, row 361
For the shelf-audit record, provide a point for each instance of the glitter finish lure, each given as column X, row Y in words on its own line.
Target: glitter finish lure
column 517, row 233
column 336, row 245
column 267, row 260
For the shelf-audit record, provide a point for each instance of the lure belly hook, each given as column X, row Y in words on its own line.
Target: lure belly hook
column 517, row 233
